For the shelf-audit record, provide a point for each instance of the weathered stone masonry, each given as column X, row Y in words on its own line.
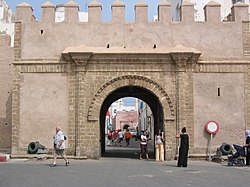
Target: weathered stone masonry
column 68, row 73
column 6, row 75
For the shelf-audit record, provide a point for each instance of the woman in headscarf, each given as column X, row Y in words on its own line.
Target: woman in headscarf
column 248, row 146
column 184, row 147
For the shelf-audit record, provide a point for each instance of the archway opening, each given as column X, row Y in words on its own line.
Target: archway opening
column 156, row 118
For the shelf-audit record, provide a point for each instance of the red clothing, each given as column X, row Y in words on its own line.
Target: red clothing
column 128, row 135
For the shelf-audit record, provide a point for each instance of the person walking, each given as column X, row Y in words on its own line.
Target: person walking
column 184, row 147
column 120, row 136
column 128, row 135
column 247, row 147
column 159, row 147
column 59, row 146
column 144, row 146
column 110, row 137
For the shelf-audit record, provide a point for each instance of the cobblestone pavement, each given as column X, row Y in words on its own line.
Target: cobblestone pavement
column 121, row 172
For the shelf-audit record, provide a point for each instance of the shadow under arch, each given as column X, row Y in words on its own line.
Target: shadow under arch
column 131, row 91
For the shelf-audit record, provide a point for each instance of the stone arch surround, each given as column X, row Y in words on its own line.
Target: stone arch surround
column 133, row 80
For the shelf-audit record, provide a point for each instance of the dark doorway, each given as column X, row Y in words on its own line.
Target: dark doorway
column 126, row 127
column 130, row 91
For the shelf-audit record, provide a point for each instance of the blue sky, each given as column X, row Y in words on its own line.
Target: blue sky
column 106, row 7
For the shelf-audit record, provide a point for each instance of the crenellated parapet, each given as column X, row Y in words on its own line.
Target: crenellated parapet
column 163, row 33
column 211, row 11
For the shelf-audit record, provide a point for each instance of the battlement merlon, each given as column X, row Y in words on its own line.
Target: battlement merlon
column 71, row 12
column 118, row 12
column 24, row 12
column 141, row 12
column 212, row 12
column 240, row 12
column 48, row 12
column 187, row 11
column 94, row 12
column 164, row 12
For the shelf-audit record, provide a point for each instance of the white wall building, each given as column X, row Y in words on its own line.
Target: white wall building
column 146, row 118
column 7, row 19
column 199, row 8
column 60, row 14
column 225, row 7
column 119, row 106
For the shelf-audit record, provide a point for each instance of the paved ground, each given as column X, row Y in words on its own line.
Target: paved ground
column 121, row 172
column 131, row 151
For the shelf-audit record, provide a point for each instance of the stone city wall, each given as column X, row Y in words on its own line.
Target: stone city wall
column 70, row 72
column 6, row 75
column 212, row 37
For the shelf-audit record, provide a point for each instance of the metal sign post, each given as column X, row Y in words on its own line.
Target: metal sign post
column 210, row 147
column 212, row 128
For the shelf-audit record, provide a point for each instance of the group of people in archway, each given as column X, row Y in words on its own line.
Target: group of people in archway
column 159, row 147
column 119, row 136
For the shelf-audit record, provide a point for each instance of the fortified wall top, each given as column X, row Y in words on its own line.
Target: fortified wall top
column 213, row 37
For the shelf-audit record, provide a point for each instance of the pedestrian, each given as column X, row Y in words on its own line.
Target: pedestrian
column 144, row 146
column 115, row 135
column 159, row 147
column 184, row 147
column 137, row 133
column 128, row 135
column 121, row 137
column 110, row 137
column 147, row 133
column 59, row 146
column 247, row 147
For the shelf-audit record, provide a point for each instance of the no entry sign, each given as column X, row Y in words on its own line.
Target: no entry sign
column 212, row 127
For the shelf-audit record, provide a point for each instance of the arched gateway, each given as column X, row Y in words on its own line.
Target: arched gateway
column 131, row 72
column 132, row 86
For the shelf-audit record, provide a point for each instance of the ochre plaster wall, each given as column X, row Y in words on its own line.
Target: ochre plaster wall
column 226, row 109
column 43, row 106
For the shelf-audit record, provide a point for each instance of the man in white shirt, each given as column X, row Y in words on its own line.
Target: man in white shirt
column 59, row 146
